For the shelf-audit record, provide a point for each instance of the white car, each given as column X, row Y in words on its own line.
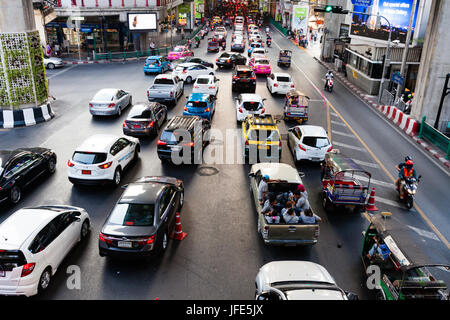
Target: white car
column 221, row 31
column 102, row 158
column 280, row 83
column 108, row 102
column 309, row 143
column 188, row 72
column 297, row 280
column 258, row 51
column 33, row 243
column 53, row 62
column 248, row 104
column 206, row 84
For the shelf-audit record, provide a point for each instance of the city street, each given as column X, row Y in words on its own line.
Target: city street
column 221, row 255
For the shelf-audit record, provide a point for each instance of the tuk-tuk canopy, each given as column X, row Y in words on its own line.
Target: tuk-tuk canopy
column 287, row 53
column 398, row 237
column 338, row 163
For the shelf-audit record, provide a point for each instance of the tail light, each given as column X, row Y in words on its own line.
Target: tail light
column 212, row 87
column 301, row 147
column 275, row 84
column 70, row 163
column 190, row 144
column 150, row 125
column 228, row 61
column 196, row 87
column 124, row 124
column 207, row 110
column 148, row 94
column 104, row 238
column 105, row 165
column 330, row 148
column 111, row 105
column 253, row 78
column 185, row 109
column 246, row 143
column 90, row 105
column 171, row 94
column 279, row 144
column 148, row 240
column 240, row 109
column 161, row 143
column 292, row 86
column 316, row 232
column 184, row 71
column 235, row 77
column 27, row 269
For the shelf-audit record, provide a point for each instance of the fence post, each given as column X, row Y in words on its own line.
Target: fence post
column 110, row 55
column 421, row 127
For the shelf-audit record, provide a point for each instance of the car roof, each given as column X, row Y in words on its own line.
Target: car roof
column 282, row 74
column 251, row 97
column 198, row 97
column 208, row 76
column 6, row 155
column 188, row 64
column 98, row 143
column 281, row 271
column 138, row 108
column 282, row 171
column 165, row 76
column 21, row 224
column 316, row 131
column 142, row 192
column 108, row 90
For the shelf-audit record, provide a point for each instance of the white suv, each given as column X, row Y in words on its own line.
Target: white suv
column 309, row 143
column 102, row 158
column 190, row 71
column 248, row 104
column 280, row 83
column 33, row 243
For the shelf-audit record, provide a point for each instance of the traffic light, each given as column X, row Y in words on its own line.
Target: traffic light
column 331, row 9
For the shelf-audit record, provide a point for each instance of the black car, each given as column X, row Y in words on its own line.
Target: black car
column 238, row 46
column 196, row 60
column 20, row 167
column 145, row 119
column 230, row 59
column 179, row 140
column 244, row 79
column 213, row 45
column 143, row 219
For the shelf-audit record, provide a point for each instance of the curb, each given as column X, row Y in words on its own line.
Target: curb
column 25, row 117
column 103, row 61
column 409, row 125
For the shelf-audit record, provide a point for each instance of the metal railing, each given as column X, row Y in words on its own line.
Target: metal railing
column 387, row 98
column 435, row 137
column 278, row 26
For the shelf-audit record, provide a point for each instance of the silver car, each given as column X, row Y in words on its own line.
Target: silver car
column 108, row 102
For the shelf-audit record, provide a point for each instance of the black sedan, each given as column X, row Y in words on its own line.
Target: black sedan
column 238, row 46
column 196, row 60
column 230, row 59
column 145, row 119
column 143, row 219
column 20, row 167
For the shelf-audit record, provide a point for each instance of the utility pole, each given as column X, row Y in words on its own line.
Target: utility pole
column 405, row 51
column 445, row 92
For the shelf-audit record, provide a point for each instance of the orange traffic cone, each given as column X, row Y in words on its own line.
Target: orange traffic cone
column 371, row 204
column 178, row 234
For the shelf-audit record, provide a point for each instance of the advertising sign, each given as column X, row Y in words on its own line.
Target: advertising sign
column 397, row 12
column 199, row 8
column 183, row 11
column 300, row 17
column 142, row 21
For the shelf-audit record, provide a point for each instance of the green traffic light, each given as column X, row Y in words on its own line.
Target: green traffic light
column 328, row 8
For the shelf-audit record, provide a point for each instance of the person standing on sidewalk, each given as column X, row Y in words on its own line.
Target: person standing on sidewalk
column 152, row 47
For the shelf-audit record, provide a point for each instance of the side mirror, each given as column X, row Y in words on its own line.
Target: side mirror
column 124, row 186
column 251, row 174
column 301, row 174
column 352, row 296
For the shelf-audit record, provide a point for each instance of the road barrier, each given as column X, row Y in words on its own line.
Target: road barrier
column 435, row 137
column 278, row 26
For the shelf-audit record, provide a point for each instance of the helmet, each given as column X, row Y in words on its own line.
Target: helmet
column 266, row 177
column 408, row 158
column 409, row 164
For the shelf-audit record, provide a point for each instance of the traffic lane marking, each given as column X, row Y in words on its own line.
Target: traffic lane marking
column 338, row 123
column 374, row 181
column 344, row 145
column 421, row 213
column 366, row 164
column 339, row 133
column 62, row 71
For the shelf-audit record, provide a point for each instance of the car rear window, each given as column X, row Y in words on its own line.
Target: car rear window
column 244, row 74
column 197, row 104
column 262, row 61
column 104, row 95
column 145, row 114
column 152, row 61
column 251, row 105
column 10, row 259
column 202, row 80
column 316, row 142
column 163, row 81
column 264, row 135
column 89, row 157
column 133, row 214
column 283, row 79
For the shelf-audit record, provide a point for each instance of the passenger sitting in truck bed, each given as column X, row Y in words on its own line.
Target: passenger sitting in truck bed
column 290, row 217
column 269, row 212
column 263, row 187
column 301, row 201
column 309, row 217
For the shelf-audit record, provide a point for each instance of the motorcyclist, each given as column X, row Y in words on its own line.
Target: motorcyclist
column 269, row 40
column 328, row 76
column 197, row 41
column 406, row 171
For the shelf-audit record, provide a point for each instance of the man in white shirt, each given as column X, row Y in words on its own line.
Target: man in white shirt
column 263, row 188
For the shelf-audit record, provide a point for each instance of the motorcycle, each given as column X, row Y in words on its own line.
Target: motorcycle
column 197, row 43
column 329, row 85
column 408, row 188
column 269, row 42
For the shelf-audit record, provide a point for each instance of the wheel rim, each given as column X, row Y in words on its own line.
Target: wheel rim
column 15, row 195
column 51, row 66
column 119, row 112
column 51, row 165
column 84, row 229
column 45, row 280
column 164, row 242
column 181, row 198
column 117, row 177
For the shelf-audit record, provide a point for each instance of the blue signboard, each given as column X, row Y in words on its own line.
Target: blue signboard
column 397, row 78
column 363, row 3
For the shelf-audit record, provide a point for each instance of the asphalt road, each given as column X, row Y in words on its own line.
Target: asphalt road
column 222, row 253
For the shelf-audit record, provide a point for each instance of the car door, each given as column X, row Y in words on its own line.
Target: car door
column 127, row 151
column 52, row 244
column 270, row 80
column 69, row 230
column 294, row 138
column 24, row 169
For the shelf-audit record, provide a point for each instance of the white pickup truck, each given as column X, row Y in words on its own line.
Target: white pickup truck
column 280, row 233
column 166, row 89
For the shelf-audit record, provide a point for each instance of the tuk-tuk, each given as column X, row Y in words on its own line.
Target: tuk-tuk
column 405, row 271
column 345, row 184
column 284, row 58
column 296, row 106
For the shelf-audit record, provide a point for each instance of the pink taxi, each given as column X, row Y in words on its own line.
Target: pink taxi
column 179, row 52
column 260, row 65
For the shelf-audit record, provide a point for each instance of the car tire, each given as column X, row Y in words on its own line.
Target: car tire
column 51, row 165
column 117, row 177
column 50, row 66
column 119, row 112
column 130, row 103
column 189, row 79
column 15, row 195
column 44, row 280
column 84, row 230
column 181, row 199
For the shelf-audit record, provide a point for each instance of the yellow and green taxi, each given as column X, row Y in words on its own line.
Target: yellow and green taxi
column 261, row 139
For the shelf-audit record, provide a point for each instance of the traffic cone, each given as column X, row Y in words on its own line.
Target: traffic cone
column 371, row 204
column 178, row 234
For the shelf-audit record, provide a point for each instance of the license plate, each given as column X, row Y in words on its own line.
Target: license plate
column 315, row 159
column 2, row 273
column 264, row 147
column 86, row 171
column 124, row 244
column 176, row 148
column 244, row 80
column 136, row 126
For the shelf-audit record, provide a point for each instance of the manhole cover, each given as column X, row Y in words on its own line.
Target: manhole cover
column 207, row 171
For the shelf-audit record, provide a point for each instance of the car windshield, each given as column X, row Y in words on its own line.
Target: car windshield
column 251, row 105
column 262, row 61
column 264, row 135
column 202, row 81
column 178, row 49
column 197, row 104
column 133, row 214
column 163, row 81
column 139, row 113
column 283, row 79
column 89, row 157
column 316, row 142
column 104, row 95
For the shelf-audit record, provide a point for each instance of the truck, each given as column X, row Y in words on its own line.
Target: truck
column 165, row 89
column 287, row 179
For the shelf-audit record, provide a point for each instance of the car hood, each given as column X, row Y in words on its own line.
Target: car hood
column 130, row 231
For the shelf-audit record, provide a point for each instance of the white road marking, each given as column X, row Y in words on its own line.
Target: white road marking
column 61, row 72
column 340, row 144
column 374, row 181
column 389, row 203
column 366, row 164
column 334, row 114
column 338, row 123
column 424, row 233
column 339, row 133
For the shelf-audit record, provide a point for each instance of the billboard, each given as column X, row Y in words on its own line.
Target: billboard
column 397, row 12
column 300, row 17
column 142, row 21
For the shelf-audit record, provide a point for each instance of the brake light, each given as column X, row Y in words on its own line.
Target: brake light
column 263, row 110
column 148, row 94
column 27, row 269
column 213, row 87
column 124, row 124
column 70, row 163
column 148, row 240
column 150, row 125
column 275, row 84
column 190, row 144
column 240, row 109
column 111, row 105
column 90, row 105
column 330, row 148
column 105, row 165
column 207, row 110
column 228, row 61
column 161, row 143
column 104, row 238
column 301, row 147
column 185, row 109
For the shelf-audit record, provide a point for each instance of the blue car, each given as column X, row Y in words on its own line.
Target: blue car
column 157, row 64
column 200, row 104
